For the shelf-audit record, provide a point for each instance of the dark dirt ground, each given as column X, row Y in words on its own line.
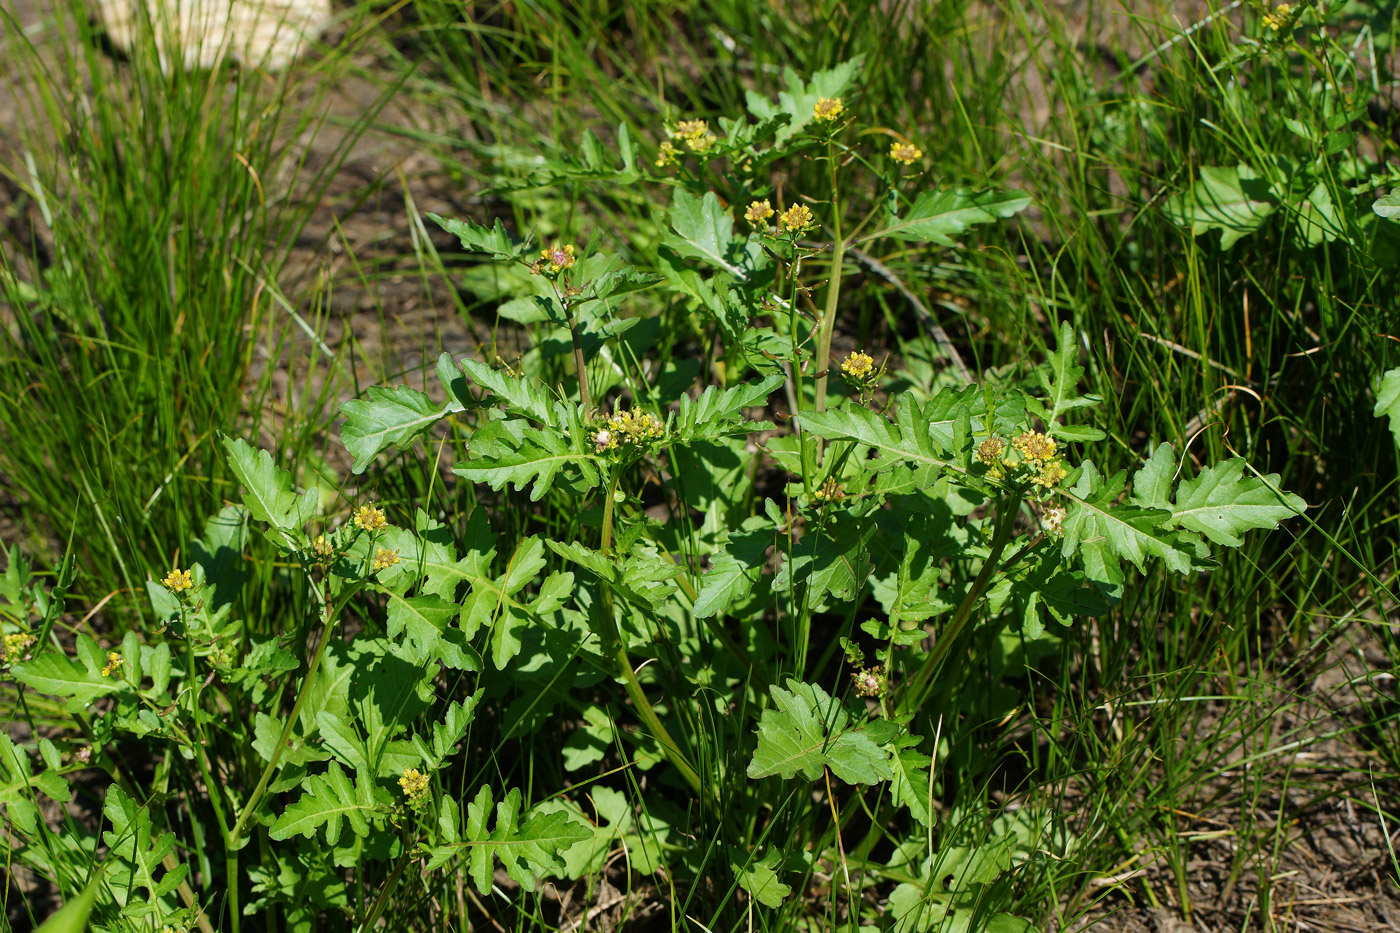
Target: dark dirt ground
column 1327, row 861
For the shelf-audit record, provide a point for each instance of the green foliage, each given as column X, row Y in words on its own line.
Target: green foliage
column 712, row 598
column 1388, row 401
column 938, row 216
column 330, row 800
column 808, row 731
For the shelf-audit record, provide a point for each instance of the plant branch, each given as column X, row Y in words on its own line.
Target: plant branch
column 918, row 688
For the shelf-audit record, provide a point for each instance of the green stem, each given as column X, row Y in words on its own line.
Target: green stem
column 918, row 691
column 384, row 892
column 606, row 541
column 623, row 663
column 833, row 289
column 580, row 367
column 249, row 808
column 653, row 722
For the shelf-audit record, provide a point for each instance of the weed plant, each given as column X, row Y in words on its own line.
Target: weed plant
column 855, row 522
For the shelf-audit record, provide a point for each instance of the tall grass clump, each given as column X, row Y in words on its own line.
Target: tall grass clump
column 141, row 282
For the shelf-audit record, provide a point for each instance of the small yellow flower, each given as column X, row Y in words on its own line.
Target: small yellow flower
column 758, row 212
column 177, row 580
column 858, row 365
column 829, row 491
column 369, row 518
column 384, row 558
column 558, row 257
column 828, row 108
column 632, row 426
column 1278, row 17
column 1035, row 446
column 906, row 153
column 797, row 219
column 701, row 143
column 16, row 644
column 414, row 784
column 114, row 664
column 667, row 155
column 603, row 439
column 323, row 547
column 990, row 450
column 690, row 129
column 1048, row 473
column 695, row 134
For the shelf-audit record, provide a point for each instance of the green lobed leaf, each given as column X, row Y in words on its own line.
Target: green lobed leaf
column 267, row 488
column 938, row 216
column 831, row 559
column 1220, row 503
column 735, row 568
column 521, row 396
column 525, row 847
column 718, row 413
column 133, row 842
column 725, row 305
column 808, row 731
column 799, row 99
column 329, row 800
column 494, row 241
column 759, row 877
column 913, row 438
column 535, row 464
column 1104, row 534
column 387, row 417
column 1060, row 378
column 56, row 674
column 1236, row 201
column 704, row 230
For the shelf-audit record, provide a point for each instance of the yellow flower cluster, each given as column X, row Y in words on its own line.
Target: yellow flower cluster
column 858, row 366
column 384, row 558
column 177, row 581
column 829, row 491
column 557, row 258
column 797, row 219
column 906, row 153
column 1040, row 459
column 1035, row 446
column 414, row 784
column 827, row 109
column 369, row 518
column 694, row 135
column 627, row 427
column 1277, row 18
column 758, row 212
column 16, row 645
column 114, row 664
column 1047, row 473
column 990, row 450
column 323, row 547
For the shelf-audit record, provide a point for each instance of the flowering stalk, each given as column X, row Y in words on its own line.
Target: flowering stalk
column 628, row 674
column 580, row 366
column 919, row 685
column 833, row 286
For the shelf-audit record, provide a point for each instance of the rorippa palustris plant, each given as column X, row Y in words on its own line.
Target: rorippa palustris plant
column 838, row 633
